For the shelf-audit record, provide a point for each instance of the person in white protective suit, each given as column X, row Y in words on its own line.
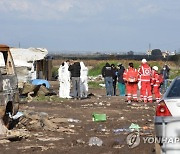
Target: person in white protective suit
column 83, row 81
column 64, row 80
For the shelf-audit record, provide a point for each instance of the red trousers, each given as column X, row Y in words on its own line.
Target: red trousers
column 141, row 95
column 131, row 91
column 156, row 91
column 146, row 91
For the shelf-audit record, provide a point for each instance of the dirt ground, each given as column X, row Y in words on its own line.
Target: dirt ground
column 119, row 116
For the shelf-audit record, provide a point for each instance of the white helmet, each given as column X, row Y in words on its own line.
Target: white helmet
column 155, row 68
column 144, row 61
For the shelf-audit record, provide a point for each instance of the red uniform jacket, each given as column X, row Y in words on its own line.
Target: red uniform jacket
column 156, row 79
column 145, row 72
column 153, row 76
column 130, row 75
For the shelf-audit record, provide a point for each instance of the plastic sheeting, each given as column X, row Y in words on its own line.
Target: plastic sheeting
column 24, row 60
column 25, row 57
column 40, row 82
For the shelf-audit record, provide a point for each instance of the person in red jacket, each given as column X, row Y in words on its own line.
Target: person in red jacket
column 156, row 84
column 145, row 78
column 140, row 88
column 152, row 78
column 130, row 76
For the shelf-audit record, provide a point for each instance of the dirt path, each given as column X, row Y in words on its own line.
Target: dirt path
column 76, row 139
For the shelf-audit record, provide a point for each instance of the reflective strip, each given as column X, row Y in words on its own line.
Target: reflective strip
column 143, row 70
column 144, row 79
column 135, row 95
column 156, row 85
column 145, row 99
column 149, row 97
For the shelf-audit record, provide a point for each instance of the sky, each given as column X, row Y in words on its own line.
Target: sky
column 91, row 25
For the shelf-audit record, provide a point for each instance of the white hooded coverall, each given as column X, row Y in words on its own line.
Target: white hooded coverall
column 64, row 80
column 83, row 80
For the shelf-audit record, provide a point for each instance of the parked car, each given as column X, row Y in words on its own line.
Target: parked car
column 9, row 93
column 167, row 120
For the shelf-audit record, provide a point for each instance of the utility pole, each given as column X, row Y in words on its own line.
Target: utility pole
column 149, row 46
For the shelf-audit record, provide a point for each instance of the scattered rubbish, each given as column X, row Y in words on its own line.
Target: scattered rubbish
column 60, row 120
column 102, row 85
column 50, row 139
column 80, row 141
column 3, row 129
column 101, row 103
column 95, row 141
column 102, row 128
column 134, row 127
column 118, row 146
column 43, row 115
column 149, row 120
column 73, row 120
column 95, row 78
column 108, row 104
column 34, row 121
column 99, row 117
column 18, row 134
column 48, row 125
column 66, row 130
column 42, row 148
column 31, row 90
column 145, row 127
column 3, row 141
column 71, row 126
column 119, row 130
column 118, row 143
column 122, row 118
column 87, row 105
column 17, row 115
column 14, row 135
column 146, row 107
